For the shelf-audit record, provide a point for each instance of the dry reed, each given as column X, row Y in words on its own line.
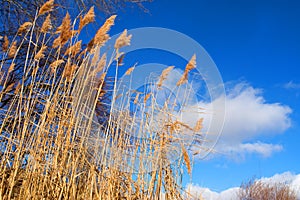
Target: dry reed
column 164, row 75
column 12, row 50
column 101, row 36
column 57, row 147
column 65, row 29
column 88, row 18
column 129, row 71
column 46, row 26
column 199, row 125
column 24, row 27
column 74, row 49
column 123, row 40
column 40, row 54
column 46, row 7
column 11, row 68
column 191, row 65
column 186, row 159
column 5, row 44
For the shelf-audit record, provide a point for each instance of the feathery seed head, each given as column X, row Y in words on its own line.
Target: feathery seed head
column 46, row 7
column 40, row 54
column 12, row 50
column 5, row 44
column 55, row 64
column 129, row 71
column 75, row 49
column 46, row 24
column 164, row 75
column 123, row 40
column 199, row 125
column 11, row 68
column 65, row 33
column 191, row 64
column 24, row 27
column 183, row 78
column 101, row 36
column 88, row 18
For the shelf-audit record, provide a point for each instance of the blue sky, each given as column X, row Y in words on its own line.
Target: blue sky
column 255, row 44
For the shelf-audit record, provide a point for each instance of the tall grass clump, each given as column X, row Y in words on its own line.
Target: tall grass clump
column 260, row 190
column 61, row 138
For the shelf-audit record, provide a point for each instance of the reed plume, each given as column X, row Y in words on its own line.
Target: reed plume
column 8, row 88
column 191, row 65
column 46, row 26
column 129, row 71
column 101, row 36
column 55, row 64
column 74, row 49
column 183, row 79
column 46, row 7
column 66, row 32
column 101, row 64
column 136, row 99
column 40, row 54
column 88, row 18
column 186, row 159
column 164, row 75
column 24, row 27
column 11, row 68
column 12, row 50
column 147, row 97
column 123, row 40
column 199, row 125
column 56, row 43
column 5, row 44
column 69, row 70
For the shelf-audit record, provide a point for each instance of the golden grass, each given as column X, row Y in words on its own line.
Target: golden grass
column 74, row 49
column 52, row 145
column 123, row 40
column 191, row 65
column 12, row 50
column 101, row 36
column 40, row 54
column 46, row 26
column 24, row 27
column 46, row 7
column 88, row 18
column 5, row 44
column 164, row 75
column 129, row 71
column 65, row 29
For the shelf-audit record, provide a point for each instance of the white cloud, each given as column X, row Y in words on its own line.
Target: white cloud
column 248, row 117
column 263, row 149
column 248, row 114
column 291, row 180
column 196, row 193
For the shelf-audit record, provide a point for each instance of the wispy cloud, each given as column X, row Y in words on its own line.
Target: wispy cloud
column 260, row 148
column 291, row 85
